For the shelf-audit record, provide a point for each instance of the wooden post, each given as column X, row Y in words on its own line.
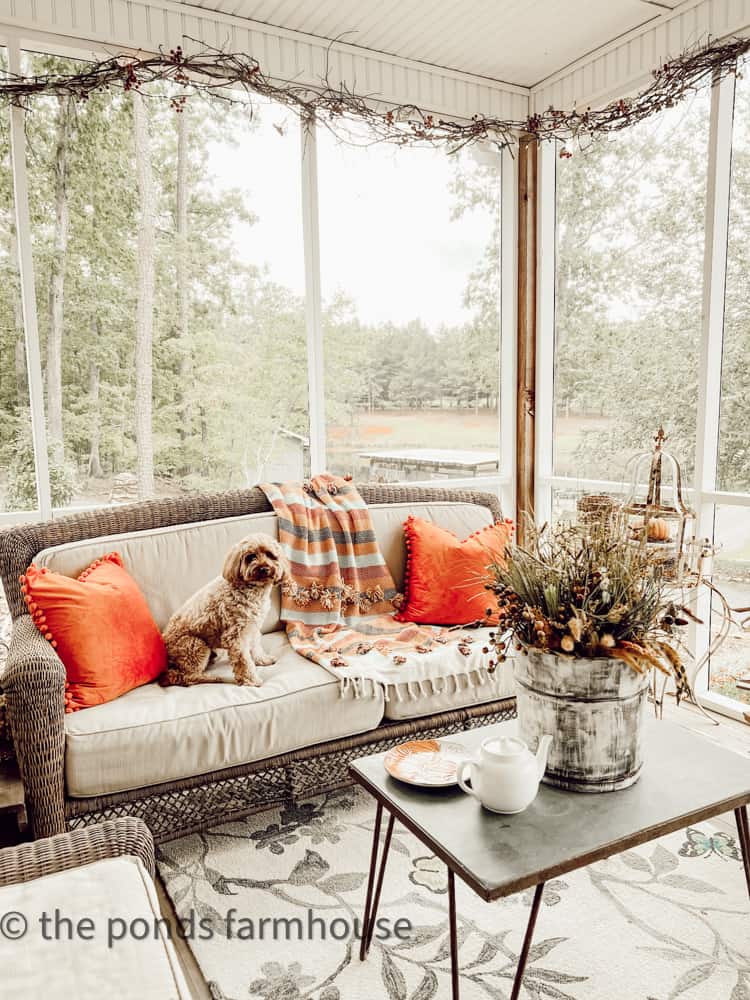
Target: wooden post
column 526, row 329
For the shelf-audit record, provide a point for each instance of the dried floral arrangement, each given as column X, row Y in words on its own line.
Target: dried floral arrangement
column 217, row 73
column 589, row 591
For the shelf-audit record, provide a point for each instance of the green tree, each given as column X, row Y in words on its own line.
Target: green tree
column 630, row 222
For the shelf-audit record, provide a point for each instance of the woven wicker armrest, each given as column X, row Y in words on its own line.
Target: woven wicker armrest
column 110, row 839
column 34, row 686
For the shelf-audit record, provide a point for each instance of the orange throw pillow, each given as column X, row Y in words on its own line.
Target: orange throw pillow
column 100, row 626
column 444, row 580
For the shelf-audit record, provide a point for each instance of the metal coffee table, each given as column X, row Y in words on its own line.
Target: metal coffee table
column 686, row 779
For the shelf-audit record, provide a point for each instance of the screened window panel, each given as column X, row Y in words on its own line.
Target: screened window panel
column 629, row 267
column 732, row 523
column 731, row 574
column 410, row 263
column 170, row 281
column 18, row 480
column 733, row 472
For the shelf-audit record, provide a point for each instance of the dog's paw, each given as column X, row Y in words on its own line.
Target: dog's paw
column 251, row 681
column 265, row 660
column 171, row 678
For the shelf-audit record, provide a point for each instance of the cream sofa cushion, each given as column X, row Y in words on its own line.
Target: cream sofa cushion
column 154, row 734
column 170, row 564
column 60, row 969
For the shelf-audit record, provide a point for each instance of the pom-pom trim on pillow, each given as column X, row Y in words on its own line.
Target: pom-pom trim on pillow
column 405, row 611
column 409, row 535
column 139, row 657
column 38, row 616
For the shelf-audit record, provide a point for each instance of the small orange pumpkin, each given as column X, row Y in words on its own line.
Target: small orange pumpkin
column 658, row 530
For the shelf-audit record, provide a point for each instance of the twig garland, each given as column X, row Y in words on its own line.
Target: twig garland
column 220, row 74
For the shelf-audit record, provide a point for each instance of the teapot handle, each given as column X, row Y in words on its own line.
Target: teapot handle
column 461, row 781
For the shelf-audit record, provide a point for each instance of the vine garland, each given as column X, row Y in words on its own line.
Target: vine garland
column 221, row 74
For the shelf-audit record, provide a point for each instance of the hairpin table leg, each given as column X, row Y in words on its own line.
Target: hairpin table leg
column 453, row 933
column 743, row 835
column 370, row 881
column 372, row 901
column 523, row 957
column 381, row 873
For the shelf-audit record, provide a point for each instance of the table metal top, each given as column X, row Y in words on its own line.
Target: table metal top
column 685, row 779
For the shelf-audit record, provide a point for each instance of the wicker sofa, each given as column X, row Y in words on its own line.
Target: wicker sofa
column 82, row 875
column 179, row 758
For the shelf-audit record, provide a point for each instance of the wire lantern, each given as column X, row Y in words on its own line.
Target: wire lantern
column 659, row 517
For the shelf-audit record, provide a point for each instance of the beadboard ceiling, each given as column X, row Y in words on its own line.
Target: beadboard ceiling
column 515, row 41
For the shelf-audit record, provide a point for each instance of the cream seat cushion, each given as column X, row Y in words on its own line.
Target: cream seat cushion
column 170, row 564
column 154, row 734
column 119, row 889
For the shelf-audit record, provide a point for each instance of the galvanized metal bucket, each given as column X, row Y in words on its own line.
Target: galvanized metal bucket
column 593, row 709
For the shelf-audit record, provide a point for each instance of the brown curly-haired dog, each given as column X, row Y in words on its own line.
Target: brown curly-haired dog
column 227, row 614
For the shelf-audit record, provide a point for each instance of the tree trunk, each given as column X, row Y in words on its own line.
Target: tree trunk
column 182, row 249
column 144, row 319
column 22, row 389
column 57, row 275
column 95, row 464
column 21, row 374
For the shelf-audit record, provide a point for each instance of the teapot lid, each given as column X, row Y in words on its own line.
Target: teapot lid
column 505, row 746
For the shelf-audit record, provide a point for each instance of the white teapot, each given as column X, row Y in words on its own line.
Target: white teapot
column 505, row 776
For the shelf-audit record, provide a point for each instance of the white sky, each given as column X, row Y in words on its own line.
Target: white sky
column 387, row 240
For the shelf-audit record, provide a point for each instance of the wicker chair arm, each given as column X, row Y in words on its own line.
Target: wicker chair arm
column 32, row 663
column 110, row 839
column 34, row 686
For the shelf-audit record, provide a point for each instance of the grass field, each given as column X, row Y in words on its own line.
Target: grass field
column 455, row 429
column 392, row 429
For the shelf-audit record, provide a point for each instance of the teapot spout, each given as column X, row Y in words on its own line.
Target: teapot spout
column 541, row 755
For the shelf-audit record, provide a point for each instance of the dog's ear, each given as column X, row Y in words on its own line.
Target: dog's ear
column 284, row 566
column 237, row 567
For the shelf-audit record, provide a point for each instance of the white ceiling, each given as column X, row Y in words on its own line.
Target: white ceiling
column 516, row 41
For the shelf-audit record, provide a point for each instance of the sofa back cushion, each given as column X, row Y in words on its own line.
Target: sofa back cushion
column 169, row 564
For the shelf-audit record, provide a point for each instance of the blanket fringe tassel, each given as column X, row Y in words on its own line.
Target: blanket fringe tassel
column 365, row 687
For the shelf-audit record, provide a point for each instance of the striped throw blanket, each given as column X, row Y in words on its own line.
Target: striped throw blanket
column 339, row 604
column 338, row 573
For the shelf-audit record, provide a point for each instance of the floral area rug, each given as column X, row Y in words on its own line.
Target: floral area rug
column 671, row 919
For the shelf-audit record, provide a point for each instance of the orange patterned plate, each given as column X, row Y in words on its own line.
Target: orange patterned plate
column 429, row 763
